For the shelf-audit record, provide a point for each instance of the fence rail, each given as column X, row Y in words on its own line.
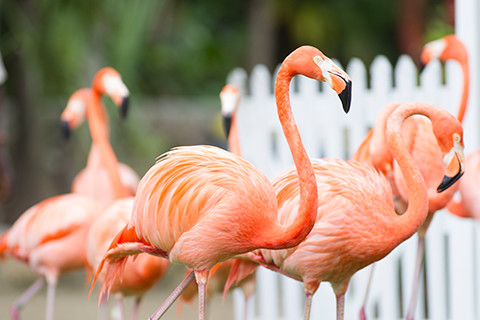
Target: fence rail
column 451, row 283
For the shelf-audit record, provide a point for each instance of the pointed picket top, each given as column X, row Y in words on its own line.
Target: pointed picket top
column 405, row 73
column 238, row 77
column 261, row 84
column 381, row 75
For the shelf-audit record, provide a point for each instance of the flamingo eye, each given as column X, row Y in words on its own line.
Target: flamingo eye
column 456, row 138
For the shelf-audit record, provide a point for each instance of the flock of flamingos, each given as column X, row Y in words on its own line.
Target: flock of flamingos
column 217, row 214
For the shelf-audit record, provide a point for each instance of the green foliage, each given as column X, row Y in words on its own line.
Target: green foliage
column 185, row 47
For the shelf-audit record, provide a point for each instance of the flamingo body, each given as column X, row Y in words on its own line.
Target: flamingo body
column 205, row 179
column 47, row 238
column 341, row 242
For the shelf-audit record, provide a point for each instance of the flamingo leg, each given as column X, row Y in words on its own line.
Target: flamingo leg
column 245, row 307
column 121, row 310
column 202, row 278
column 201, row 301
column 173, row 296
column 136, row 306
column 308, row 305
column 362, row 315
column 102, row 308
column 51, row 288
column 416, row 278
column 340, row 306
column 25, row 297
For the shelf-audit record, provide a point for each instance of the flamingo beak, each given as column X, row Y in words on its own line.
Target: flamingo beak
column 346, row 95
column 227, row 123
column 124, row 107
column 421, row 67
column 455, row 170
column 65, row 127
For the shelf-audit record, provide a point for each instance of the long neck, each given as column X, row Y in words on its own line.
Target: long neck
column 233, row 140
column 98, row 124
column 291, row 235
column 380, row 153
column 416, row 213
column 465, row 91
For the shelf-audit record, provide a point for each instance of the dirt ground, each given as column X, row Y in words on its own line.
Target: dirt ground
column 72, row 297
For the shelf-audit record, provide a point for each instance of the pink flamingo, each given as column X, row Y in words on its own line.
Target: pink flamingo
column 351, row 233
column 423, row 146
column 104, row 178
column 201, row 205
column 428, row 154
column 451, row 48
column 138, row 276
column 46, row 237
column 235, row 271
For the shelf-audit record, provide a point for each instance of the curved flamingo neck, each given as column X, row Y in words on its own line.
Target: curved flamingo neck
column 465, row 91
column 233, row 140
column 380, row 153
column 98, row 124
column 416, row 213
column 291, row 235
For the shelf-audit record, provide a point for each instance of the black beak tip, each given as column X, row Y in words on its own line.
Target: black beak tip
column 447, row 181
column 421, row 67
column 227, row 124
column 346, row 96
column 65, row 129
column 124, row 107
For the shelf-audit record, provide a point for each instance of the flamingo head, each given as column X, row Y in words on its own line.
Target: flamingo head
column 447, row 48
column 229, row 99
column 312, row 63
column 450, row 140
column 76, row 111
column 108, row 81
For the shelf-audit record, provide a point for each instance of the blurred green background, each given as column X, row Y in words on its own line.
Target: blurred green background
column 174, row 55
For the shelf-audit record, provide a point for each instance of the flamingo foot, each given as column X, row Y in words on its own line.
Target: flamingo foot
column 361, row 314
column 14, row 313
column 409, row 317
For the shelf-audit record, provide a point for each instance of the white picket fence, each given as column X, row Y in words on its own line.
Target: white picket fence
column 452, row 244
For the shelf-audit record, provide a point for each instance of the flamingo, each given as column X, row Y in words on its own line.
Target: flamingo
column 422, row 142
column 351, row 233
column 201, row 205
column 239, row 272
column 138, row 276
column 451, row 48
column 46, row 237
column 104, row 178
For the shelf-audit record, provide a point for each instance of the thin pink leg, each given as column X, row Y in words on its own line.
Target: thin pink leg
column 416, row 278
column 119, row 300
column 136, row 306
column 201, row 276
column 52, row 285
column 103, row 308
column 308, row 305
column 362, row 315
column 201, row 301
column 25, row 297
column 246, row 307
column 340, row 306
column 173, row 296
